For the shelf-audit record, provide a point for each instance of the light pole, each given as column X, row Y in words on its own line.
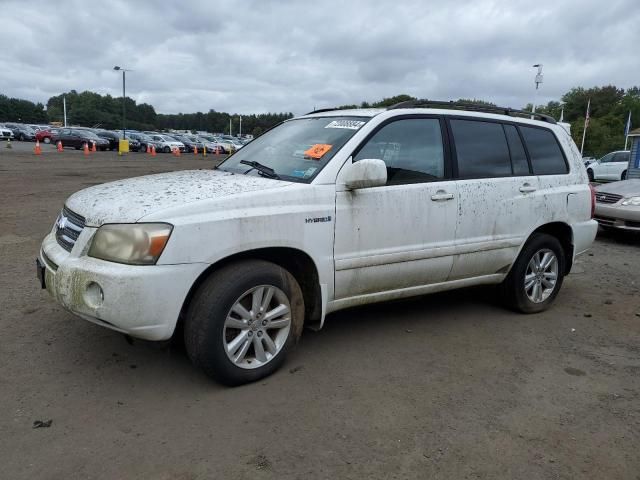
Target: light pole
column 538, row 81
column 124, row 112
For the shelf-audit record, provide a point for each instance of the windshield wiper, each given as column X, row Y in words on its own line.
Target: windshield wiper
column 263, row 169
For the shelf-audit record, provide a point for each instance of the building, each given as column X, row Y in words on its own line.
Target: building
column 633, row 171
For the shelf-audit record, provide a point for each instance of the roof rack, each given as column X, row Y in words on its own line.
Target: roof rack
column 474, row 107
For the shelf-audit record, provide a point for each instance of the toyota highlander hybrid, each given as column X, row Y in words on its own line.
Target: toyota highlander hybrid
column 329, row 210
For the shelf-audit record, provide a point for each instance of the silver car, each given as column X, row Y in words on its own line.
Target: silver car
column 618, row 205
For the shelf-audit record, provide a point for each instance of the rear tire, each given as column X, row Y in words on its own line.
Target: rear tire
column 46, row 140
column 227, row 332
column 529, row 289
column 166, row 150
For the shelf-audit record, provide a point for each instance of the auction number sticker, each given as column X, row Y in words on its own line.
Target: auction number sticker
column 348, row 124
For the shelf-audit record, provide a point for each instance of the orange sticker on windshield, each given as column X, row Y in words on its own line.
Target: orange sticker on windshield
column 317, row 151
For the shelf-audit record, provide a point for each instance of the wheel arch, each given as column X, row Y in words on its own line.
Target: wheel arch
column 295, row 261
column 564, row 233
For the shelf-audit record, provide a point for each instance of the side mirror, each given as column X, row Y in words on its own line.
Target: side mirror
column 366, row 173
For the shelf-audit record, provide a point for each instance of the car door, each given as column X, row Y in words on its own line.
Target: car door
column 497, row 196
column 601, row 169
column 399, row 235
column 618, row 166
column 65, row 137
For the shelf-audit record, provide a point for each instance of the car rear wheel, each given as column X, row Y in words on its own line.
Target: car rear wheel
column 166, row 149
column 243, row 320
column 21, row 137
column 46, row 140
column 143, row 148
column 590, row 174
column 536, row 276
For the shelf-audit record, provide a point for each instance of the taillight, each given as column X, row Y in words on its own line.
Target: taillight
column 593, row 200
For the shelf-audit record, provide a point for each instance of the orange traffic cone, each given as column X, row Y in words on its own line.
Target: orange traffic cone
column 148, row 149
column 178, row 152
column 86, row 149
column 195, row 150
column 59, row 147
column 93, row 148
column 153, row 150
column 37, row 150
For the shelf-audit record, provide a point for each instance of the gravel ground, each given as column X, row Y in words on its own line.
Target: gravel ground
column 448, row 386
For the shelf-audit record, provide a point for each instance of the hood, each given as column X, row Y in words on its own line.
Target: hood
column 626, row 188
column 127, row 201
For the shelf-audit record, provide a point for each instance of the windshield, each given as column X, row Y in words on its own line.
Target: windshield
column 297, row 149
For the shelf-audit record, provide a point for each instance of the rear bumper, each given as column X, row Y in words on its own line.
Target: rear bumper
column 141, row 301
column 584, row 233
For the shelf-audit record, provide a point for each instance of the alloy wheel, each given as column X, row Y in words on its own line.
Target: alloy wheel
column 541, row 276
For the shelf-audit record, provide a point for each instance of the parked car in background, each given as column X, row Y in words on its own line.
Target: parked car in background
column 144, row 140
column 618, row 205
column 227, row 142
column 588, row 160
column 134, row 145
column 190, row 142
column 164, row 143
column 22, row 132
column 78, row 137
column 324, row 212
column 46, row 135
column 112, row 137
column 212, row 145
column 612, row 167
column 6, row 133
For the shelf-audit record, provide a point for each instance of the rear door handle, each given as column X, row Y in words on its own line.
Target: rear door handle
column 441, row 195
column 526, row 188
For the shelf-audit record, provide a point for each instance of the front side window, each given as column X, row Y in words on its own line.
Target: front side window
column 607, row 158
column 544, row 150
column 411, row 148
column 295, row 150
column 481, row 149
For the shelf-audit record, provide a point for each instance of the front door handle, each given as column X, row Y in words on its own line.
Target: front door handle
column 441, row 195
column 527, row 188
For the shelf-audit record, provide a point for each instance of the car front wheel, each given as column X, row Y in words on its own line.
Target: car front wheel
column 243, row 320
column 47, row 140
column 536, row 276
column 590, row 174
column 624, row 175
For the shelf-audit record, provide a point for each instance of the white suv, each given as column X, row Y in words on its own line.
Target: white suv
column 612, row 167
column 326, row 211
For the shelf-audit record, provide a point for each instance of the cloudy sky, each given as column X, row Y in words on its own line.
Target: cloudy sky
column 258, row 56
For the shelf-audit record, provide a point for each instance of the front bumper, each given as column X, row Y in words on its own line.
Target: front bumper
column 618, row 216
column 141, row 301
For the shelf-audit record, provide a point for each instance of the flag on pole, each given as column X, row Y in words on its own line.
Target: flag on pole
column 627, row 126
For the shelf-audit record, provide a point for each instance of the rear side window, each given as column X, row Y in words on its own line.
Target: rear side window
column 518, row 155
column 622, row 157
column 544, row 150
column 481, row 149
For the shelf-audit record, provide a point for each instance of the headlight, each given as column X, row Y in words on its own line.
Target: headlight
column 133, row 243
column 635, row 201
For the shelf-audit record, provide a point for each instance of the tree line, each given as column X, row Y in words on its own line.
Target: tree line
column 610, row 107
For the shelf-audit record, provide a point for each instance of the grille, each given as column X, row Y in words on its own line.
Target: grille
column 68, row 228
column 602, row 197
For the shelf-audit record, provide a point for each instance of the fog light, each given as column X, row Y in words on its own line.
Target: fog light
column 93, row 295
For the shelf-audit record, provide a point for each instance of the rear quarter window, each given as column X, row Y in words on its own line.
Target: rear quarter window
column 544, row 151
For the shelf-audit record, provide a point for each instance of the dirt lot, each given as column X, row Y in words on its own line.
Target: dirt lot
column 449, row 386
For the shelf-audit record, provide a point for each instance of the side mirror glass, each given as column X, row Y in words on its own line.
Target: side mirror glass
column 365, row 173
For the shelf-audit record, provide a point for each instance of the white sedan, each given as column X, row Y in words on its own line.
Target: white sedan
column 167, row 144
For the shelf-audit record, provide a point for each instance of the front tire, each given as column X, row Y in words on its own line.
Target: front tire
column 624, row 175
column 47, row 140
column 590, row 175
column 166, row 150
column 536, row 277
column 243, row 320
